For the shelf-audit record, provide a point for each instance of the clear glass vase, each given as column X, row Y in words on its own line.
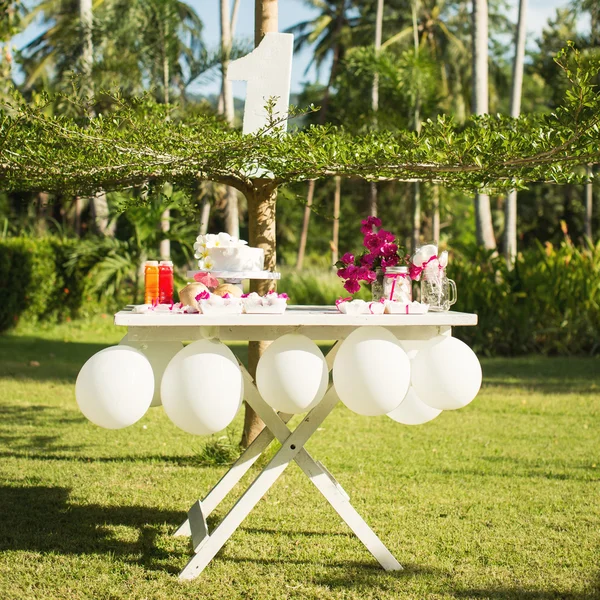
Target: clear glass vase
column 377, row 286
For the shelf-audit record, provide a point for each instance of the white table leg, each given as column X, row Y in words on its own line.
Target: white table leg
column 259, row 487
column 239, row 468
column 207, row 546
column 323, row 480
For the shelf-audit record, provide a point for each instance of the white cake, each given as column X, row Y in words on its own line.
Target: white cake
column 221, row 252
column 242, row 258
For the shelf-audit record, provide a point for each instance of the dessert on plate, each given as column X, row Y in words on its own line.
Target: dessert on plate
column 272, row 303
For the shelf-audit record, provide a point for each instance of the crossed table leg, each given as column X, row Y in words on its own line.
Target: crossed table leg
column 207, row 545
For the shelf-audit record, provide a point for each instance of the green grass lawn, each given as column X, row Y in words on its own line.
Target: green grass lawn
column 498, row 500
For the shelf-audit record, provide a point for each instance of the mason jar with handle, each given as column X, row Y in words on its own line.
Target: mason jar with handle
column 438, row 292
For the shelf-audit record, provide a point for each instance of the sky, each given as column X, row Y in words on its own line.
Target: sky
column 295, row 11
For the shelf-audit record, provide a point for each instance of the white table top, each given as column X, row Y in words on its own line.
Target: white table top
column 295, row 316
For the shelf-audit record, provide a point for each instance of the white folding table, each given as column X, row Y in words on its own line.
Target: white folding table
column 317, row 323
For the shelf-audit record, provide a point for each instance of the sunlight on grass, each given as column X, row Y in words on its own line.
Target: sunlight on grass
column 498, row 500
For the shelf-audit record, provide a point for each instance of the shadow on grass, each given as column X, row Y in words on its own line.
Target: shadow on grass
column 176, row 460
column 58, row 360
column 42, row 519
column 503, row 593
column 556, row 375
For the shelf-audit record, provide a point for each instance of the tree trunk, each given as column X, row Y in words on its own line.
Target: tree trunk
column 416, row 225
column 483, row 214
column 165, row 244
column 375, row 99
column 41, row 225
column 102, row 215
column 261, row 224
column 510, row 207
column 589, row 203
column 435, row 221
column 226, row 41
column 234, row 16
column 265, row 19
column 322, row 117
column 373, row 195
column 261, row 233
column 77, row 216
column 204, row 215
column 337, row 200
column 232, row 219
column 87, row 48
column 165, row 66
column 378, row 35
column 416, row 220
column 305, row 222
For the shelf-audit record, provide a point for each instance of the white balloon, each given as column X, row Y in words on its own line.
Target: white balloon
column 446, row 374
column 413, row 411
column 411, row 347
column 114, row 387
column 371, row 372
column 292, row 374
column 159, row 354
column 202, row 387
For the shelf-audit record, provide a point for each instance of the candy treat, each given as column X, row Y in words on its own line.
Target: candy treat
column 228, row 288
column 188, row 294
column 347, row 306
column 272, row 303
column 405, row 308
column 211, row 304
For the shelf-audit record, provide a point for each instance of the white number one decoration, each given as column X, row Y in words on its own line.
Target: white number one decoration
column 268, row 71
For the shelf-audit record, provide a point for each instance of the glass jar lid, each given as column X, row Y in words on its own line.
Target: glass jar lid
column 396, row 271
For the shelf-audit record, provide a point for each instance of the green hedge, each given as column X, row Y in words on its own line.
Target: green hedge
column 35, row 282
column 549, row 303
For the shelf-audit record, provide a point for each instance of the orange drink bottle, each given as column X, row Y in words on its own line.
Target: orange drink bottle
column 151, row 282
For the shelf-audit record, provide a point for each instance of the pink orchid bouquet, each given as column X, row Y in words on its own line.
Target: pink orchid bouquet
column 382, row 250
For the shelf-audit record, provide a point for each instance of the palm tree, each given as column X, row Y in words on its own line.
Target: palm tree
column 329, row 34
column 232, row 221
column 483, row 214
column 510, row 221
column 131, row 43
column 374, row 104
column 436, row 30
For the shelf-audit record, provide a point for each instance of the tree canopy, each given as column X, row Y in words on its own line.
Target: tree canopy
column 141, row 142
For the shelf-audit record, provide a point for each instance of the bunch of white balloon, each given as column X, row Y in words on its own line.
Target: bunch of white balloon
column 201, row 386
column 411, row 382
